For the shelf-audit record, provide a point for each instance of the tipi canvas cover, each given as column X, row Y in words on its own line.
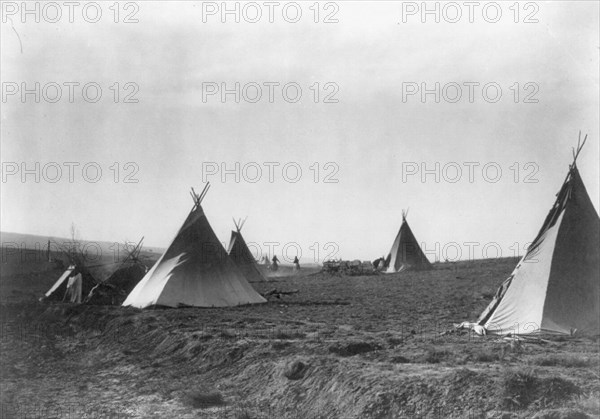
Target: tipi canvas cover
column 195, row 270
column 242, row 256
column 59, row 288
column 406, row 252
column 122, row 281
column 555, row 286
column 60, row 291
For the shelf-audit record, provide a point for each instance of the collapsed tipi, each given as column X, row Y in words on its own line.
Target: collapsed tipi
column 241, row 255
column 195, row 270
column 406, row 252
column 555, row 287
column 121, row 282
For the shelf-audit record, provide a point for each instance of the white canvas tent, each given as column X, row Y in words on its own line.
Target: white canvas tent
column 71, row 285
column 242, row 256
column 61, row 283
column 195, row 270
column 555, row 287
column 405, row 252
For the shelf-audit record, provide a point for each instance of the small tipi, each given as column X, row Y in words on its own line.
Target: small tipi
column 195, row 270
column 555, row 288
column 406, row 252
column 122, row 281
column 242, row 256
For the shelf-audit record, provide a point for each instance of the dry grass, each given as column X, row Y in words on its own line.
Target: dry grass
column 590, row 404
column 371, row 348
column 520, row 389
column 353, row 348
column 295, row 370
column 485, row 355
column 517, row 389
column 435, row 356
column 204, row 400
column 563, row 360
column 282, row 334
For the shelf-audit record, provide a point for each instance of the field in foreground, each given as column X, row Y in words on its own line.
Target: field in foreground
column 342, row 347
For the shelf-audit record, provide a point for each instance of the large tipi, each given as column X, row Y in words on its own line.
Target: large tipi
column 406, row 252
column 555, row 287
column 195, row 270
column 242, row 256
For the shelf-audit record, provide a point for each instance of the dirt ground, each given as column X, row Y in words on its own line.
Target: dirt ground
column 342, row 347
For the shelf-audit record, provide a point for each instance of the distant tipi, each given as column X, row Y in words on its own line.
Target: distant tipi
column 242, row 256
column 406, row 252
column 555, row 287
column 195, row 270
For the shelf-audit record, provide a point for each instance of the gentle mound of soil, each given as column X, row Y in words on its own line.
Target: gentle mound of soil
column 519, row 389
column 353, row 348
column 295, row 370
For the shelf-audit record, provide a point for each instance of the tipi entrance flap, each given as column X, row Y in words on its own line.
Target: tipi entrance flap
column 162, row 272
column 60, row 281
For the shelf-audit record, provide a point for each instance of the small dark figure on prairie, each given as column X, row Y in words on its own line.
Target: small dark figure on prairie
column 296, row 263
column 274, row 264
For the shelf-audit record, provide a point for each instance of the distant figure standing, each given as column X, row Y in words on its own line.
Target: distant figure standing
column 296, row 263
column 74, row 288
column 274, row 265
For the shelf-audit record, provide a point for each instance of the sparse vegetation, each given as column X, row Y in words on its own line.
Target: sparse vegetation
column 485, row 355
column 399, row 359
column 435, row 356
column 295, row 370
column 589, row 403
column 227, row 334
column 282, row 334
column 379, row 355
column 563, row 360
column 353, row 348
column 204, row 400
column 519, row 389
column 280, row 345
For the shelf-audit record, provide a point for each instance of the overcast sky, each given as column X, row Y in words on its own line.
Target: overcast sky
column 374, row 134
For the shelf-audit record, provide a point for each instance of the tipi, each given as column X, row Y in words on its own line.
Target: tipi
column 406, row 252
column 60, row 290
column 555, row 288
column 195, row 270
column 121, row 282
column 241, row 255
column 90, row 276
